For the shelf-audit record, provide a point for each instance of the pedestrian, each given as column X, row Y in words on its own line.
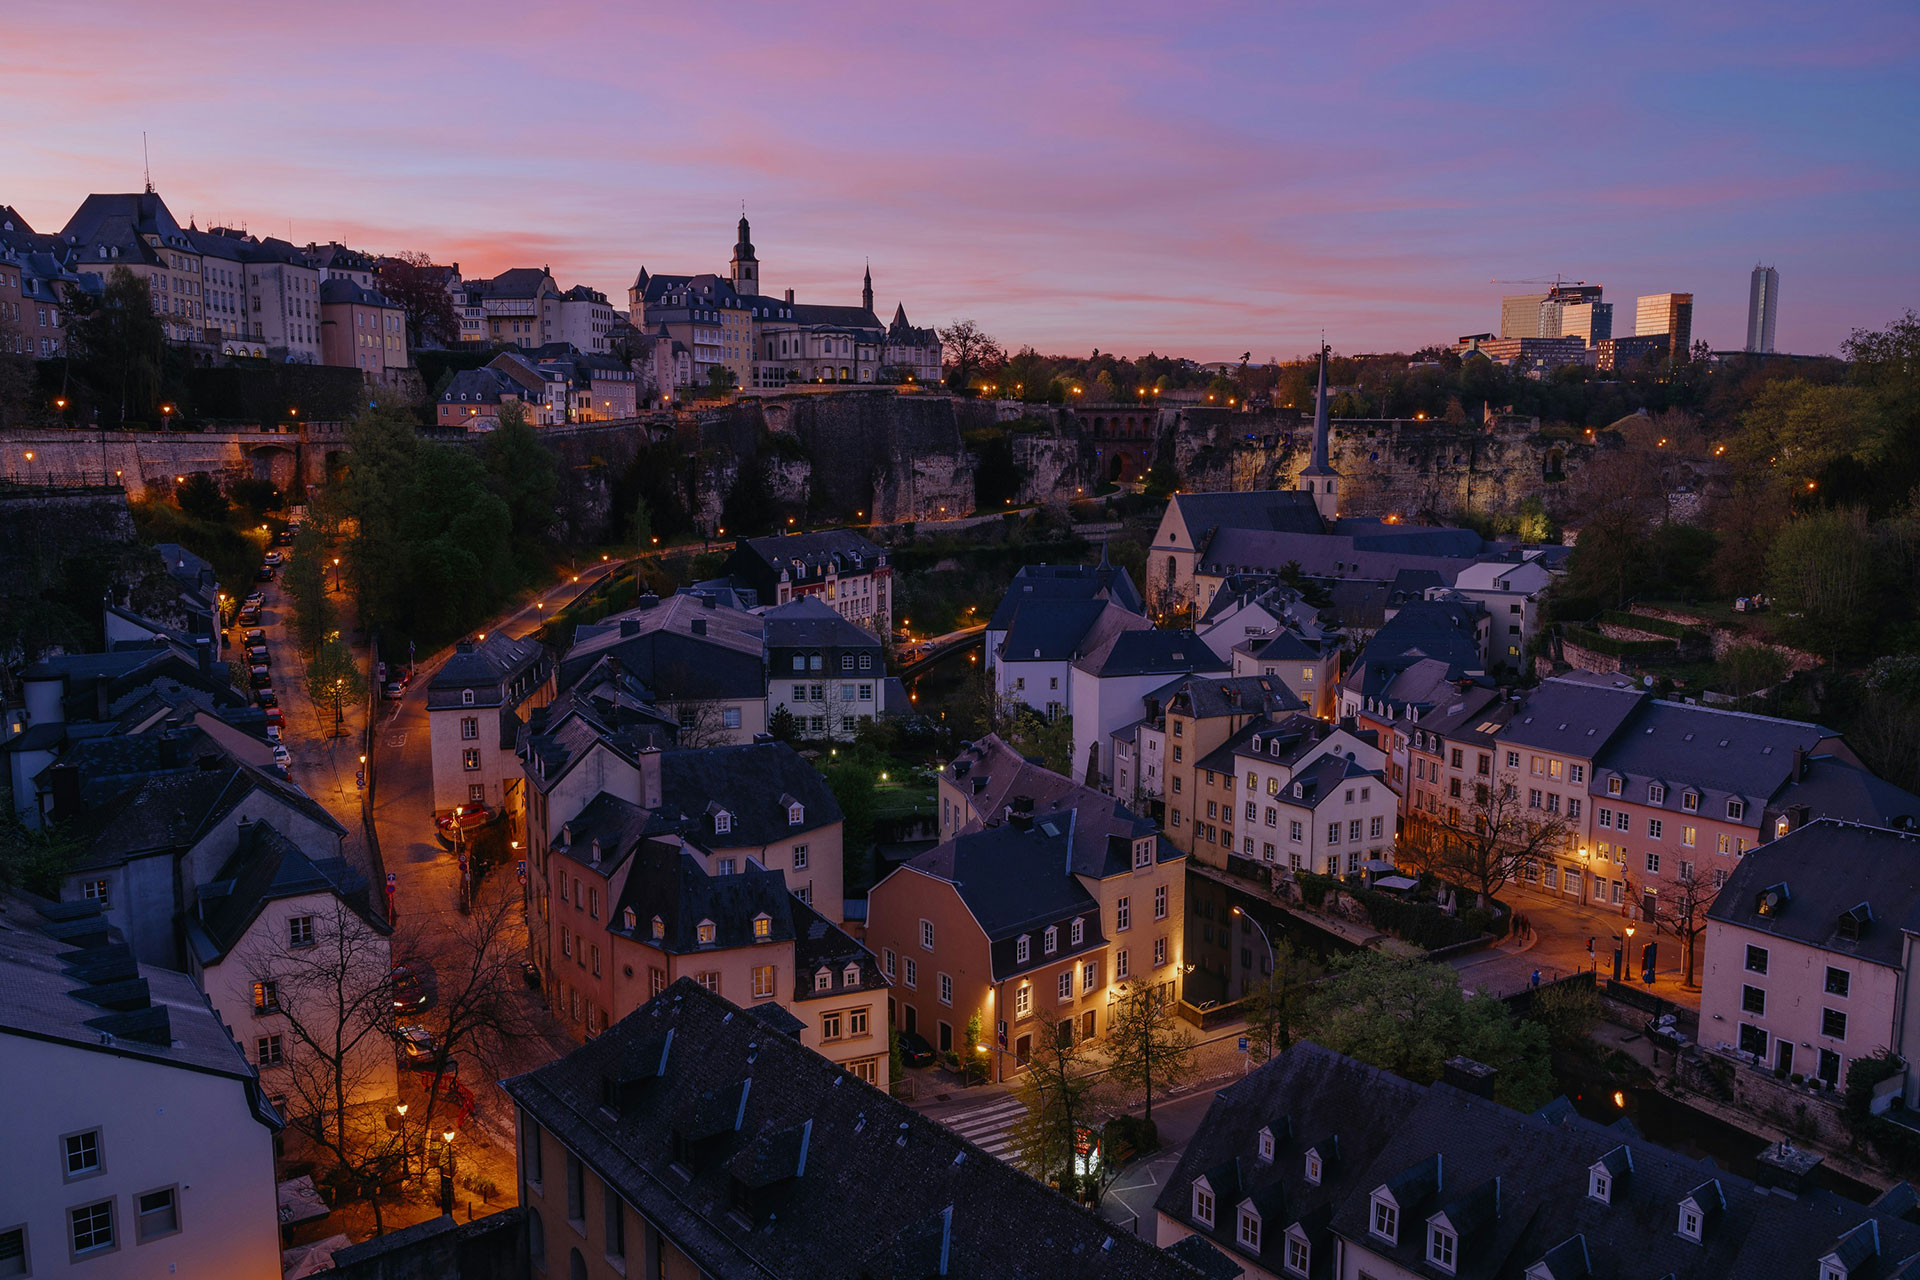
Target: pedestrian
column 1536, row 979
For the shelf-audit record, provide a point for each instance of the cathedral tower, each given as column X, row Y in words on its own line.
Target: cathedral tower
column 745, row 268
column 1318, row 477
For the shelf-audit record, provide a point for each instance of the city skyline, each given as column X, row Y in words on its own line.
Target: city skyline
column 1078, row 178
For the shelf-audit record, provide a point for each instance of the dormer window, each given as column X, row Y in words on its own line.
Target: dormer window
column 1690, row 801
column 1266, row 1146
column 1050, row 940
column 1313, row 1168
column 1600, row 1186
column 1443, row 1247
column 796, row 814
column 1203, row 1204
column 1385, row 1220
column 1299, row 1258
column 659, row 928
column 1142, row 854
column 1614, row 784
column 1249, row 1229
column 1736, row 810
column 1077, row 931
column 823, row 979
column 1690, row 1222
column 1656, row 793
column 850, row 975
column 707, row 933
column 628, row 919
column 1298, row 791
column 722, row 823
column 466, row 697
column 1256, row 744
column 762, row 927
column 1022, row 948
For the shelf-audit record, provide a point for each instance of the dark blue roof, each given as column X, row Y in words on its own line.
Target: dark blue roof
column 1154, row 652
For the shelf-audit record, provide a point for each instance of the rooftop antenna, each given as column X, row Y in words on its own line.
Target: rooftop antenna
column 146, row 161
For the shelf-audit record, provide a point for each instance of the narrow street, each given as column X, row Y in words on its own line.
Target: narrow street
column 1558, row 946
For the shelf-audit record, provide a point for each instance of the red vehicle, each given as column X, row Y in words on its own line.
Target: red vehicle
column 466, row 819
column 275, row 718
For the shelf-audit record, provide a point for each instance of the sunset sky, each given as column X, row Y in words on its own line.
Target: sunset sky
column 1197, row 179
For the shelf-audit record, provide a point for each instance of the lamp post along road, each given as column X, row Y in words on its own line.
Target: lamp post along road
column 1272, row 968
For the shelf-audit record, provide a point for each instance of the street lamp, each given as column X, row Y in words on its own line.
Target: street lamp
column 336, row 573
column 446, row 1174
column 402, row 1109
column 1272, row 970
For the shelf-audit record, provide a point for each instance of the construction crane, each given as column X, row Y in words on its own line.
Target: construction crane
column 1556, row 282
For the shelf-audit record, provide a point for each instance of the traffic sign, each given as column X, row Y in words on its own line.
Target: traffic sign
column 392, row 879
column 1243, row 1044
column 523, row 871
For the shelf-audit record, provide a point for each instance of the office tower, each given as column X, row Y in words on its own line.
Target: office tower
column 1591, row 321
column 1763, row 308
column 1520, row 315
column 1668, row 313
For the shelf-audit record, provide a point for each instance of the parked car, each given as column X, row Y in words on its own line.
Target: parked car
column 410, row 993
column 392, row 690
column 416, row 1042
column 286, row 536
column 914, row 1049
column 274, row 558
column 257, row 656
column 263, row 574
column 273, row 732
column 282, row 757
column 469, row 817
column 255, row 600
column 256, row 636
column 274, row 718
column 269, row 699
column 260, row 677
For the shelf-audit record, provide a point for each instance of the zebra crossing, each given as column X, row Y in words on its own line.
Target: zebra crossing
column 989, row 1126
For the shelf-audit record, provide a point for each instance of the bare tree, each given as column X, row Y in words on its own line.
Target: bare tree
column 334, row 997
column 1683, row 910
column 1275, row 1009
column 479, row 1010
column 1063, row 1089
column 1147, row 1045
column 1483, row 842
column 702, row 723
column 969, row 351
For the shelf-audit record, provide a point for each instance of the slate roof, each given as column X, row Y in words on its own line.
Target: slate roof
column 265, row 867
column 340, row 290
column 1830, row 868
column 603, row 709
column 750, row 781
column 842, row 550
column 1295, row 734
column 814, row 313
column 818, row 944
column 920, row 1195
column 1059, row 630
column 1208, row 697
column 1066, row 582
column 1443, row 1149
column 1720, row 754
column 1459, row 719
column 69, row 979
column 997, row 779
column 1150, row 652
column 655, row 641
column 810, row 622
column 1013, row 880
column 1379, row 556
column 489, row 668
column 668, row 882
column 1831, row 787
column 1281, row 510
column 480, row 386
column 122, row 220
column 1576, row 715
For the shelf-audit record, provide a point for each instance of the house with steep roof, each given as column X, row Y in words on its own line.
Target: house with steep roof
column 267, row 935
column 1048, row 900
column 1110, row 682
column 1317, row 1165
column 1154, row 755
column 137, row 231
column 827, row 673
column 696, row 1138
column 361, row 328
column 846, row 569
column 476, row 704
column 1300, row 793
column 1033, row 582
column 1809, row 962
column 1511, row 592
column 138, row 1138
column 635, row 913
column 701, row 659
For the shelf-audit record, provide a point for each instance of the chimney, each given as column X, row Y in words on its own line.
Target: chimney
column 710, row 601
column 698, row 626
column 203, row 646
column 465, row 646
column 1799, row 764
column 650, row 778
column 789, row 297
column 64, row 782
column 629, row 627
column 1468, row 1076
column 1785, row 1167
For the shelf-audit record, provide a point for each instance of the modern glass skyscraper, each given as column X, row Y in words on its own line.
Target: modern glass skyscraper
column 1668, row 313
column 1763, row 306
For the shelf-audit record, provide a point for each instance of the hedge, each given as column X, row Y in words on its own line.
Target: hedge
column 1659, row 626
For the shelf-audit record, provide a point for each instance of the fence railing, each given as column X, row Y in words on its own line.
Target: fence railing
column 83, row 481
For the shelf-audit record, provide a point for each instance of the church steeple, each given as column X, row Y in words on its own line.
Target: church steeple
column 1318, row 477
column 866, row 289
column 745, row 268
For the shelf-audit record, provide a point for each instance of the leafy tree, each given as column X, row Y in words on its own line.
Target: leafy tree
column 412, row 280
column 258, row 496
column 749, row 506
column 1407, row 1016
column 305, row 581
column 1567, row 1010
column 851, row 779
column 520, row 472
column 720, row 379
column 1038, row 738
column 641, row 526
column 1147, row 1045
column 1746, row 669
column 34, row 860
column 973, row 1063
column 120, row 347
column 1823, row 572
column 333, row 677
column 783, row 727
column 969, row 353
column 200, row 497
column 1274, row 1009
